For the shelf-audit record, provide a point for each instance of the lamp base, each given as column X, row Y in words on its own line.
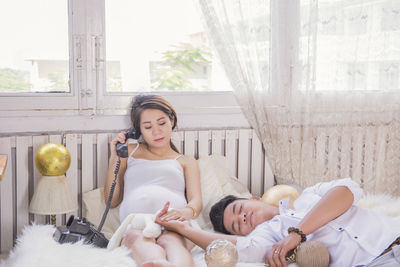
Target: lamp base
column 53, row 219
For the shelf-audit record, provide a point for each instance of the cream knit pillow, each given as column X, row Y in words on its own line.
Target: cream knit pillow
column 216, row 182
column 93, row 209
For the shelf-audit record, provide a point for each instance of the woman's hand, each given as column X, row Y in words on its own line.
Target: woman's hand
column 276, row 258
column 171, row 225
column 174, row 214
column 178, row 214
column 120, row 138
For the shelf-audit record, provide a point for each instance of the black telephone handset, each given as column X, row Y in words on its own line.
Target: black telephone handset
column 122, row 149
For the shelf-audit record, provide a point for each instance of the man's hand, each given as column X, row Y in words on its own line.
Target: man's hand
column 276, row 258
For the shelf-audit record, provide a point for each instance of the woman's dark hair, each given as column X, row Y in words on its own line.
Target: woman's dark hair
column 217, row 213
column 142, row 102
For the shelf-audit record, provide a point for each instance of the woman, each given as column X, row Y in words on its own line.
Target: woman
column 154, row 173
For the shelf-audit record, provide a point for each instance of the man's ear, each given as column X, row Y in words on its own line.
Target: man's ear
column 255, row 198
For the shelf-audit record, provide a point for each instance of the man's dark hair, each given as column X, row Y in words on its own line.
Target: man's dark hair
column 217, row 213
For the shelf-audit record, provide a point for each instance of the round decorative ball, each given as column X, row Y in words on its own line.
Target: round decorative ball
column 221, row 252
column 312, row 254
column 52, row 159
column 278, row 192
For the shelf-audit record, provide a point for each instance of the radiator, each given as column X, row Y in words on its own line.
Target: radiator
column 89, row 162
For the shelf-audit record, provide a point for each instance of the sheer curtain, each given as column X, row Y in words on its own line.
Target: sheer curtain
column 319, row 81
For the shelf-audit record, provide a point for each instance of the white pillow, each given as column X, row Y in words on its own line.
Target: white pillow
column 216, row 183
column 93, row 209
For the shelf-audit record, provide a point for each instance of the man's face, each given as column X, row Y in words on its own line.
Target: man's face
column 243, row 215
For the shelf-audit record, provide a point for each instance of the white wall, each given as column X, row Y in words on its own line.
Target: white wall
column 34, row 121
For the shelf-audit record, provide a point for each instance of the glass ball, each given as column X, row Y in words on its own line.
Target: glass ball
column 221, row 252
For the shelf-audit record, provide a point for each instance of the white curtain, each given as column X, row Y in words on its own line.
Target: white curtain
column 319, row 80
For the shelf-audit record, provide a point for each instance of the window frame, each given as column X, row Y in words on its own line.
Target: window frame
column 20, row 103
column 88, row 96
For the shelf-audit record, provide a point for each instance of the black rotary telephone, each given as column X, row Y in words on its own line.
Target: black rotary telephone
column 80, row 229
column 122, row 149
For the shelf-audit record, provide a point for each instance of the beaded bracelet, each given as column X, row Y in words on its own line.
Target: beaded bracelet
column 299, row 232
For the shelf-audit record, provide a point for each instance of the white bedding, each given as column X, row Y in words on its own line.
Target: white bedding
column 36, row 247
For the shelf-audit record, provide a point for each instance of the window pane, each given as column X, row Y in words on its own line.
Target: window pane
column 390, row 16
column 389, row 75
column 352, row 45
column 34, row 47
column 159, row 45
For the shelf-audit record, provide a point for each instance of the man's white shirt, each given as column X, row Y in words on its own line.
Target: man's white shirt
column 354, row 238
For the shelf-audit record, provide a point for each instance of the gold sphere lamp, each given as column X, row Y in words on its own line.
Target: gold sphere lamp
column 52, row 194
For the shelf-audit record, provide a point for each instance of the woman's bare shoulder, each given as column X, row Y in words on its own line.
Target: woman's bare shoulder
column 188, row 160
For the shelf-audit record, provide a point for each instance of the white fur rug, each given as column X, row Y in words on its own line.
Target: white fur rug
column 36, row 247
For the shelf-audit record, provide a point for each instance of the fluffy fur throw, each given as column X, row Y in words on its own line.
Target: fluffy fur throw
column 37, row 248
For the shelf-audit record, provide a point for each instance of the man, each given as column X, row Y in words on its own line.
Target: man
column 325, row 212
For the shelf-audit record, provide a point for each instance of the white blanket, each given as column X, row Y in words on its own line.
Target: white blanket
column 116, row 239
column 37, row 248
column 125, row 226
